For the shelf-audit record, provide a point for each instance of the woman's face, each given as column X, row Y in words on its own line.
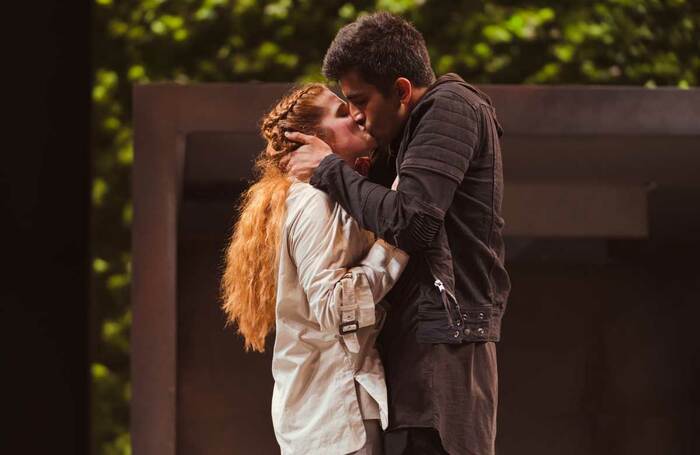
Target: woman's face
column 347, row 139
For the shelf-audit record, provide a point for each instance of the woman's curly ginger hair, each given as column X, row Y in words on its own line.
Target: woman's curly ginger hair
column 249, row 283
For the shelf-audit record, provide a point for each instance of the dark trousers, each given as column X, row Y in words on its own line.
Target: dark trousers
column 413, row 441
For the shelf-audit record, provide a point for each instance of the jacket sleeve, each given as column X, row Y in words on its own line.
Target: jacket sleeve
column 319, row 241
column 437, row 156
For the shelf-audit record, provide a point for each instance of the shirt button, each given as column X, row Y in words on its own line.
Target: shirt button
column 482, row 316
column 480, row 331
column 467, row 331
column 455, row 334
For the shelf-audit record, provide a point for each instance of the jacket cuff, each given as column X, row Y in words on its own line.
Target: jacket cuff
column 317, row 177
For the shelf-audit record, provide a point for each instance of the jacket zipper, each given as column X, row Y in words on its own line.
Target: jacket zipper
column 443, row 294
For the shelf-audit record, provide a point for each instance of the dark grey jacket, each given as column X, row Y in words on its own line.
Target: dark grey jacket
column 446, row 213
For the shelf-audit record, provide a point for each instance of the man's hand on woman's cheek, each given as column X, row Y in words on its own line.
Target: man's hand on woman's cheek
column 303, row 161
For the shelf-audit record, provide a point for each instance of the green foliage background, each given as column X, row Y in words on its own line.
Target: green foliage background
column 636, row 42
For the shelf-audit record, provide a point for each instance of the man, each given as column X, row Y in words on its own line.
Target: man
column 438, row 341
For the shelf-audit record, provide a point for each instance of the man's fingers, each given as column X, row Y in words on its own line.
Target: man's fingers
column 301, row 138
column 284, row 161
column 291, row 162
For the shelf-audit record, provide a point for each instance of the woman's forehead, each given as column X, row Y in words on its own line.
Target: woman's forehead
column 329, row 101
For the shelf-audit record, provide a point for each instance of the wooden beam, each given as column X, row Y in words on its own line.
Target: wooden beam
column 583, row 110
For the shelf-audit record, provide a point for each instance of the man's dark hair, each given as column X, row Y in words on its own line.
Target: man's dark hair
column 381, row 47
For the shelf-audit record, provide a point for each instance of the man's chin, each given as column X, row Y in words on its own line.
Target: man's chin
column 374, row 141
column 371, row 141
column 380, row 141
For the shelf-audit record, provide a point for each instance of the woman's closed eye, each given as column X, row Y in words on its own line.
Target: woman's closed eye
column 342, row 110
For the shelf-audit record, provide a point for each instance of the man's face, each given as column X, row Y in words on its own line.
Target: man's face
column 380, row 115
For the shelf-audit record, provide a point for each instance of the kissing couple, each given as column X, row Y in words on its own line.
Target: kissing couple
column 384, row 283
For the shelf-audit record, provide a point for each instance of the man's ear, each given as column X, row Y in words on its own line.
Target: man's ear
column 404, row 90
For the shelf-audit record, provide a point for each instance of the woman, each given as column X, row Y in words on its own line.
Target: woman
column 297, row 262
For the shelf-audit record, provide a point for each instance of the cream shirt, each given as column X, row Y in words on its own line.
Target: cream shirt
column 330, row 271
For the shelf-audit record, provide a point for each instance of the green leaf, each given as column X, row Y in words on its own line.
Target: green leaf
column 128, row 214
column 117, row 281
column 398, row 6
column 564, row 52
column 278, row 9
column 99, row 190
column 99, row 265
column 347, row 11
column 99, row 371
column 483, row 50
column 496, row 34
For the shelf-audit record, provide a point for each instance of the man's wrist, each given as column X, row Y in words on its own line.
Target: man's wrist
column 317, row 176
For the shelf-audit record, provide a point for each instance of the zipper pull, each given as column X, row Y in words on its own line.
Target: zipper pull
column 443, row 294
column 439, row 285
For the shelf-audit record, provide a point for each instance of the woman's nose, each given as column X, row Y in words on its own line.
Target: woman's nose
column 357, row 115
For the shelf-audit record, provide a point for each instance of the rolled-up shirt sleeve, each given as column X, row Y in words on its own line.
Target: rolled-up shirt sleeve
column 319, row 241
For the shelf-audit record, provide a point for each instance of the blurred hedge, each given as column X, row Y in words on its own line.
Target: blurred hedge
column 643, row 42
